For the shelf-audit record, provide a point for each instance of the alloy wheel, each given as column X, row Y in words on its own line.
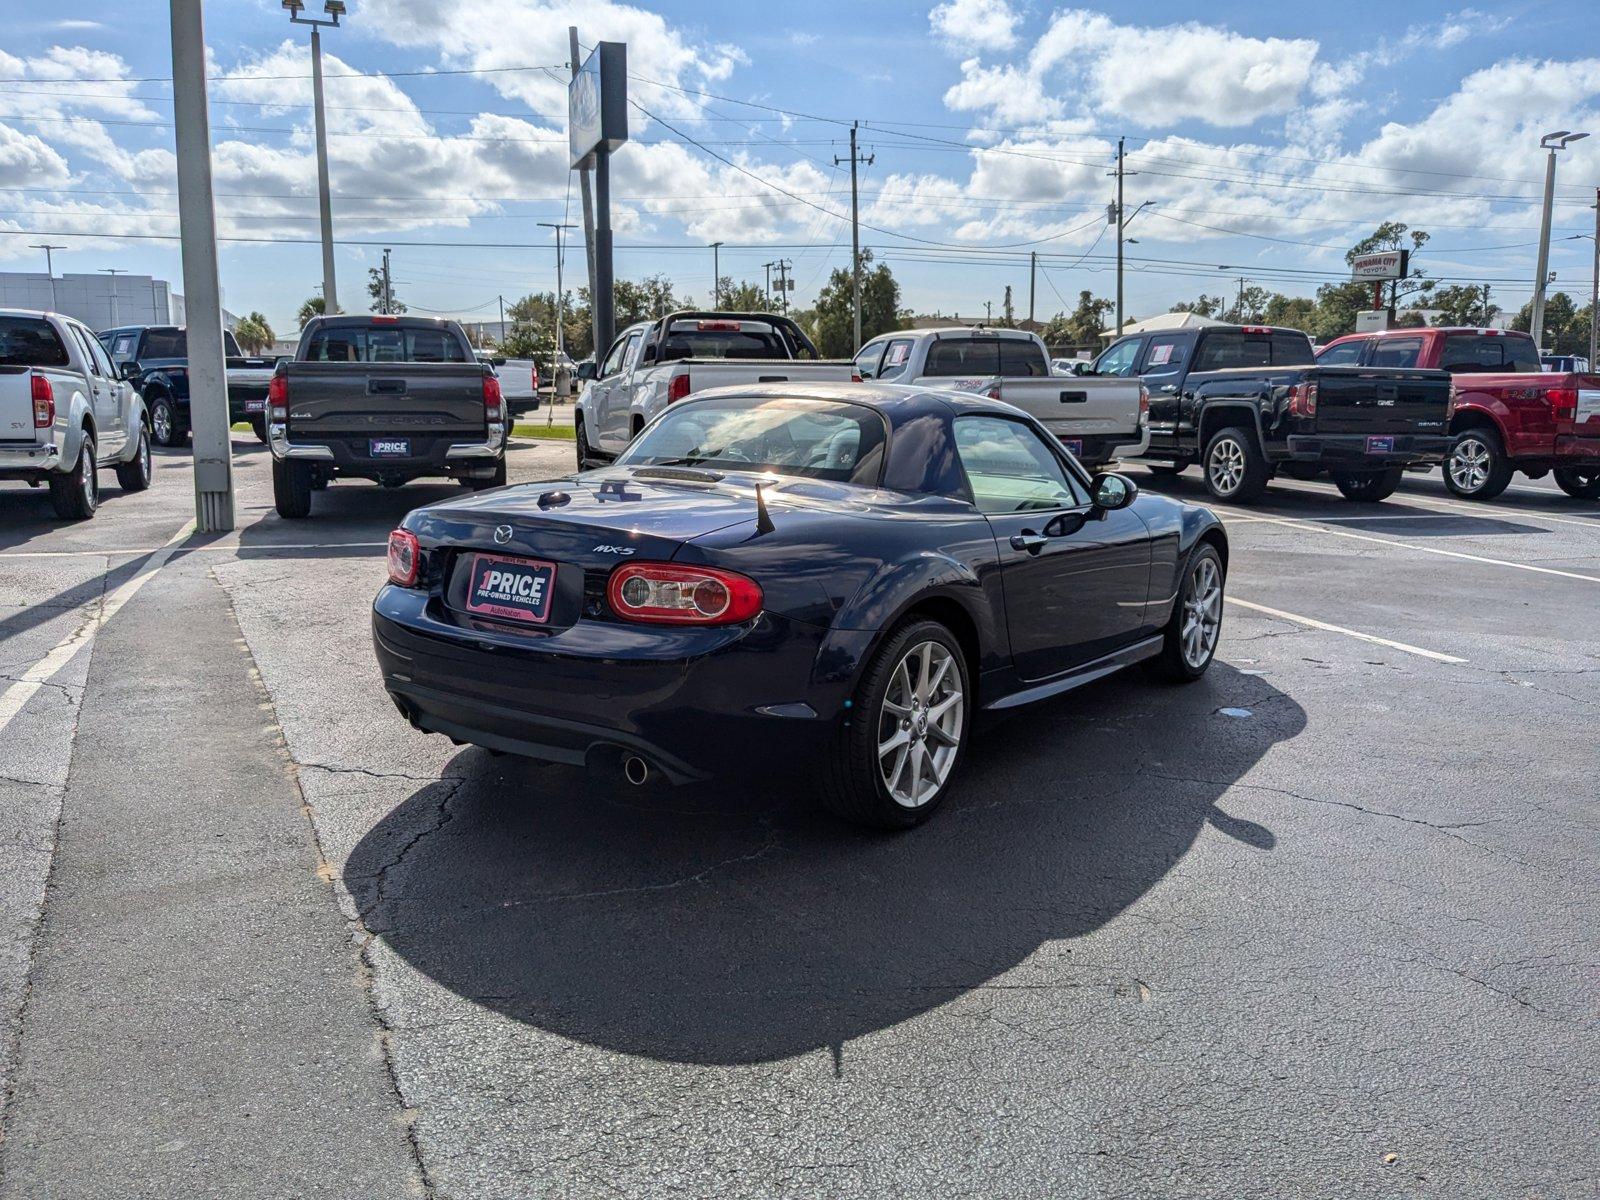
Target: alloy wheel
column 161, row 421
column 1226, row 467
column 1469, row 464
column 920, row 723
column 88, row 474
column 1202, row 613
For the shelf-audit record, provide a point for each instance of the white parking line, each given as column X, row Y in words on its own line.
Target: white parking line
column 212, row 548
column 1313, row 623
column 36, row 676
column 1297, row 523
column 1478, row 507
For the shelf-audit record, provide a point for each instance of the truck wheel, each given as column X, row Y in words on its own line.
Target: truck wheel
column 1190, row 639
column 76, row 493
column 894, row 761
column 134, row 475
column 291, row 489
column 258, row 426
column 580, row 441
column 1477, row 467
column 1368, row 486
column 498, row 479
column 1235, row 468
column 1578, row 482
column 165, row 426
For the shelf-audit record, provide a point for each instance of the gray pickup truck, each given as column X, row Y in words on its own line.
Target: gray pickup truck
column 390, row 399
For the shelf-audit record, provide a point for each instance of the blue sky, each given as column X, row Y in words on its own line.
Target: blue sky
column 1267, row 139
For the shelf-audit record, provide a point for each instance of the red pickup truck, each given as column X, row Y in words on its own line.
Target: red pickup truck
column 1506, row 414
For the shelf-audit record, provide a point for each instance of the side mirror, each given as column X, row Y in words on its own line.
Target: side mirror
column 1112, row 491
column 1082, row 367
column 128, row 371
column 586, row 370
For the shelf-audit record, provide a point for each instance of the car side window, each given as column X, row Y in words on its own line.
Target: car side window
column 867, row 360
column 1119, row 359
column 83, row 341
column 895, row 359
column 1397, row 352
column 1164, row 354
column 630, row 352
column 1011, row 469
column 1345, row 354
column 122, row 347
column 98, row 355
column 613, row 362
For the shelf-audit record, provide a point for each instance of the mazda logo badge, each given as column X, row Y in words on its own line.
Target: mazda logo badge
column 502, row 535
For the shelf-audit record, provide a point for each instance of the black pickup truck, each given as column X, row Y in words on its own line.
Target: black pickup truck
column 159, row 370
column 1247, row 401
column 390, row 399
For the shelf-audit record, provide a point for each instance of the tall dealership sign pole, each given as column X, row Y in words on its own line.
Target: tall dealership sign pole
column 583, row 178
column 335, row 10
column 597, row 123
column 197, row 230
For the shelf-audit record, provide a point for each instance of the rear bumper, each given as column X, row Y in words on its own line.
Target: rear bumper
column 435, row 455
column 689, row 701
column 1101, row 448
column 24, row 462
column 1365, row 450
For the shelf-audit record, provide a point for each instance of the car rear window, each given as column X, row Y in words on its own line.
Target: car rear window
column 31, row 342
column 1220, row 351
column 1469, row 353
column 703, row 339
column 384, row 344
column 174, row 343
column 985, row 356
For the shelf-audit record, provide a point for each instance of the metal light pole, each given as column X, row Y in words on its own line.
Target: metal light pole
column 1559, row 140
column 335, row 10
column 1594, row 292
column 197, row 227
column 49, row 270
column 716, row 274
column 113, row 272
column 555, row 363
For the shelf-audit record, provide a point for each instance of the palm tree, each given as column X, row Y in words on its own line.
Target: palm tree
column 314, row 306
column 253, row 333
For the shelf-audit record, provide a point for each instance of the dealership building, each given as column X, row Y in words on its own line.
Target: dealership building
column 99, row 300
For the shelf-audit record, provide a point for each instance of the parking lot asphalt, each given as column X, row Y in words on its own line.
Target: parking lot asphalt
column 1319, row 926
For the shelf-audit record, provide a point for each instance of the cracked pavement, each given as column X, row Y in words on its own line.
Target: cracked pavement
column 1343, row 946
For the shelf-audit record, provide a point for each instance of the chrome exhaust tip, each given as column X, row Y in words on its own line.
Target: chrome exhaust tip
column 635, row 770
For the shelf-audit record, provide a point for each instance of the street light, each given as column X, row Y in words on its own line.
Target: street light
column 1559, row 140
column 113, row 272
column 49, row 270
column 335, row 10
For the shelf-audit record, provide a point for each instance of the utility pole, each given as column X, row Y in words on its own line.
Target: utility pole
column 1550, row 142
column 335, row 10
column 783, row 283
column 113, row 272
column 388, row 291
column 1121, row 159
column 988, row 308
column 716, row 275
column 197, row 228
column 1033, row 271
column 555, row 362
column 1239, row 308
column 501, row 341
column 585, row 187
column 1594, row 291
column 768, row 293
column 1488, row 313
column 49, row 270
column 855, row 227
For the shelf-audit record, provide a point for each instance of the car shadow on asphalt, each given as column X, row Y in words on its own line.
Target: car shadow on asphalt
column 735, row 923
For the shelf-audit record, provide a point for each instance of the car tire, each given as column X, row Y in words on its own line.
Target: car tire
column 258, row 426
column 166, row 426
column 498, row 479
column 1189, row 642
column 869, row 781
column 1477, row 467
column 1368, row 486
column 291, row 489
column 76, row 493
column 579, row 441
column 1581, row 483
column 1234, row 467
column 134, row 475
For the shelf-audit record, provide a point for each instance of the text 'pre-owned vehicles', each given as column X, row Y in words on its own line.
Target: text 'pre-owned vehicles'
column 656, row 363
column 842, row 576
column 1512, row 411
column 65, row 413
column 1246, row 401
column 384, row 398
column 159, row 355
column 1097, row 419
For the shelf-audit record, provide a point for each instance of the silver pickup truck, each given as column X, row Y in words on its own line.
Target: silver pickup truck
column 1097, row 419
column 65, row 414
column 653, row 363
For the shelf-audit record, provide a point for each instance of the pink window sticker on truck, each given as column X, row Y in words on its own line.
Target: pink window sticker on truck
column 1160, row 356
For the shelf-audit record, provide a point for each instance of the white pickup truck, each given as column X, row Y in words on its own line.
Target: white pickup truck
column 653, row 363
column 66, row 413
column 1096, row 422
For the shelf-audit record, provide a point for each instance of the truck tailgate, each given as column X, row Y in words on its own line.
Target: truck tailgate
column 336, row 399
column 1380, row 400
column 16, row 405
column 727, row 372
column 1076, row 406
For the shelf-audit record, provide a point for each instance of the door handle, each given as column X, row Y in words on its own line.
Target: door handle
column 1167, row 389
column 1028, row 540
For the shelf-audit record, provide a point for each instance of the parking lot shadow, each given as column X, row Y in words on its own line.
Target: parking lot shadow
column 737, row 924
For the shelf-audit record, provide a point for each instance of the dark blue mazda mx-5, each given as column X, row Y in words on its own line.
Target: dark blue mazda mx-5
column 839, row 576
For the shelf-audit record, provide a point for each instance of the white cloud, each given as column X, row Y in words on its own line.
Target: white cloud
column 967, row 25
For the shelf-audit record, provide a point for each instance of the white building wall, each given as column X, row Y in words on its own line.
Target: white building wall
column 136, row 300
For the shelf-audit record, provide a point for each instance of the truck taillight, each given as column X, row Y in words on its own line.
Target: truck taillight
column 678, row 388
column 855, row 376
column 1303, row 400
column 535, row 369
column 994, row 393
column 1144, row 404
column 44, row 403
column 278, row 398
column 669, row 594
column 1450, row 405
column 491, row 399
column 1563, row 402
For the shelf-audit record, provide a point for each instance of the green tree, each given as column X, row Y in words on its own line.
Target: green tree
column 1248, row 304
column 253, row 333
column 832, row 321
column 1337, row 306
column 1289, row 312
column 745, row 296
column 375, row 291
column 1081, row 327
column 651, row 297
column 532, row 327
column 1461, row 304
column 1566, row 326
column 314, row 306
column 1203, row 305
